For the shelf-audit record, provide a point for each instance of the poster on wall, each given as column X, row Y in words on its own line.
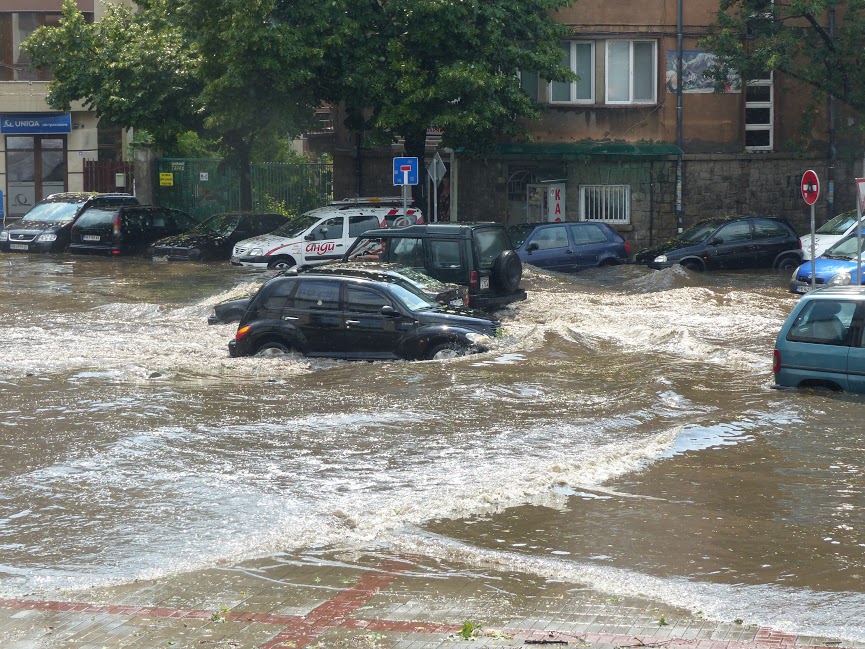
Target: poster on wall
column 694, row 79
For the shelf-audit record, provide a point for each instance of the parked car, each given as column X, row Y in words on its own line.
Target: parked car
column 838, row 266
column 47, row 226
column 569, row 246
column 477, row 255
column 829, row 234
column 214, row 238
column 729, row 243
column 346, row 316
column 452, row 294
column 323, row 234
column 125, row 229
column 820, row 344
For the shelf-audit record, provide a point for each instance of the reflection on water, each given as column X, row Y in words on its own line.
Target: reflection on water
column 622, row 435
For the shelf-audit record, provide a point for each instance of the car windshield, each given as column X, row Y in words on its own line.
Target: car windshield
column 296, row 227
column 51, row 213
column 366, row 249
column 221, row 224
column 839, row 225
column 521, row 232
column 847, row 248
column 699, row 231
column 412, row 297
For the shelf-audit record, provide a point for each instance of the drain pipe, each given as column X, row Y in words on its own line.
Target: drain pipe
column 680, row 217
column 833, row 148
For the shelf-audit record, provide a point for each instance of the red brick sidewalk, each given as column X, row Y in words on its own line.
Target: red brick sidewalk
column 391, row 604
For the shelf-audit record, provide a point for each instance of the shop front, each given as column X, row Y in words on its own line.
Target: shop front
column 35, row 147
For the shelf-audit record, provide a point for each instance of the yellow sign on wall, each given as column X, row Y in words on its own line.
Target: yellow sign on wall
column 166, row 179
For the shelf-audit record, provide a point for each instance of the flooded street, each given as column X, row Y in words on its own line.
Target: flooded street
column 622, row 436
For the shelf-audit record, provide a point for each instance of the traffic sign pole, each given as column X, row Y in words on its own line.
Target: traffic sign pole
column 810, row 187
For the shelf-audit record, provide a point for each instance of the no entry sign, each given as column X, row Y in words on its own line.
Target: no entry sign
column 810, row 187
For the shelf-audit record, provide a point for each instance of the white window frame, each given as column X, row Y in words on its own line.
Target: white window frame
column 631, row 100
column 610, row 204
column 572, row 64
column 770, row 127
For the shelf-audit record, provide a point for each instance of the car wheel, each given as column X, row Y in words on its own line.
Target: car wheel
column 444, row 351
column 272, row 349
column 507, row 271
column 788, row 264
column 281, row 263
column 692, row 265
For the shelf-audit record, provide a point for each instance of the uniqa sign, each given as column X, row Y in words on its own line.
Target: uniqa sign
column 35, row 123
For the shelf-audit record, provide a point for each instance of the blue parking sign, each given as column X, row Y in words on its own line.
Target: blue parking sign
column 405, row 171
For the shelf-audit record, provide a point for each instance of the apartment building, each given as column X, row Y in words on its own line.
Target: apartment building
column 623, row 145
column 42, row 151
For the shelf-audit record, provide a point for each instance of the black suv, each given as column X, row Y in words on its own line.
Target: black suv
column 478, row 255
column 728, row 243
column 125, row 229
column 344, row 316
column 48, row 224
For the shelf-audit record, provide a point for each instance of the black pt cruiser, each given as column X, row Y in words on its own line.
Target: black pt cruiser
column 357, row 318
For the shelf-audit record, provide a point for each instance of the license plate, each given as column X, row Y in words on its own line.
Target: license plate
column 18, row 246
column 91, row 237
column 485, row 283
column 803, row 288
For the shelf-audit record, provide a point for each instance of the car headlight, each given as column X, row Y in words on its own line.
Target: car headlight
column 47, row 237
column 841, row 279
column 256, row 252
column 4, row 236
column 478, row 339
column 661, row 259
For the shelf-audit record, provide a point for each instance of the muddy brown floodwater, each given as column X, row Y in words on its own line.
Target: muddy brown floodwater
column 623, row 435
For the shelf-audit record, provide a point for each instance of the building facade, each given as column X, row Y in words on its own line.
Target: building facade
column 42, row 151
column 623, row 145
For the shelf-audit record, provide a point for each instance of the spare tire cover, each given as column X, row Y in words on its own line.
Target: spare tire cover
column 507, row 272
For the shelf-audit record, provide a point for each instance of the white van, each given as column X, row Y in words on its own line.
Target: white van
column 323, row 234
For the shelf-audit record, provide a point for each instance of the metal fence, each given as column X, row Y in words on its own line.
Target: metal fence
column 203, row 187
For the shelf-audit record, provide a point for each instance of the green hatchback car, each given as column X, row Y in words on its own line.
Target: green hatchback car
column 821, row 343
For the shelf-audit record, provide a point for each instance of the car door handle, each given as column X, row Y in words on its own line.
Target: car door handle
column 289, row 317
column 348, row 322
column 569, row 251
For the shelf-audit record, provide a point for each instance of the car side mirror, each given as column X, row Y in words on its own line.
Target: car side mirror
column 717, row 241
column 531, row 247
column 389, row 311
column 309, row 237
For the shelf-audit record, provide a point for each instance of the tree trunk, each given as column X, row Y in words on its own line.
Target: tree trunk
column 415, row 147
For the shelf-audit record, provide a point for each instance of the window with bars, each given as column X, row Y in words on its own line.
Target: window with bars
column 607, row 203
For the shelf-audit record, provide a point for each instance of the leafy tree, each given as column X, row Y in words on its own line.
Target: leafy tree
column 752, row 37
column 407, row 65
column 232, row 70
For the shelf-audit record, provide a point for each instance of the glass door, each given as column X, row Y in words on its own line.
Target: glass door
column 35, row 168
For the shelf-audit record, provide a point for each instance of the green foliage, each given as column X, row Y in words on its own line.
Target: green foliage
column 469, row 630
column 752, row 37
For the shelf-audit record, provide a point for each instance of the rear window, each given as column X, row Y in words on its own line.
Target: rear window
column 93, row 217
column 490, row 243
column 824, row 322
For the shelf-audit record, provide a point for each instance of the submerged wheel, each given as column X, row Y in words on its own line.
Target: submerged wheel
column 272, row 349
column 281, row 263
column 443, row 351
column 693, row 266
column 788, row 264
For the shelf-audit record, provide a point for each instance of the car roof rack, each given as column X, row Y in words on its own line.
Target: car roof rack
column 368, row 200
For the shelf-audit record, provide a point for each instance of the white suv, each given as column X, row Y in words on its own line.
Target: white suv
column 323, row 234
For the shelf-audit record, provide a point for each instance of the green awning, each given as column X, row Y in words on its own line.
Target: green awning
column 582, row 149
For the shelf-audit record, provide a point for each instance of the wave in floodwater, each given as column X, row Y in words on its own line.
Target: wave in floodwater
column 139, row 448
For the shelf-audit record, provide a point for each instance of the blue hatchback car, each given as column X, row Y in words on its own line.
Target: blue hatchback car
column 838, row 266
column 569, row 246
column 821, row 343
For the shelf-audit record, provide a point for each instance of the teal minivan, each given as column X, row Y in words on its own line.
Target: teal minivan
column 821, row 343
